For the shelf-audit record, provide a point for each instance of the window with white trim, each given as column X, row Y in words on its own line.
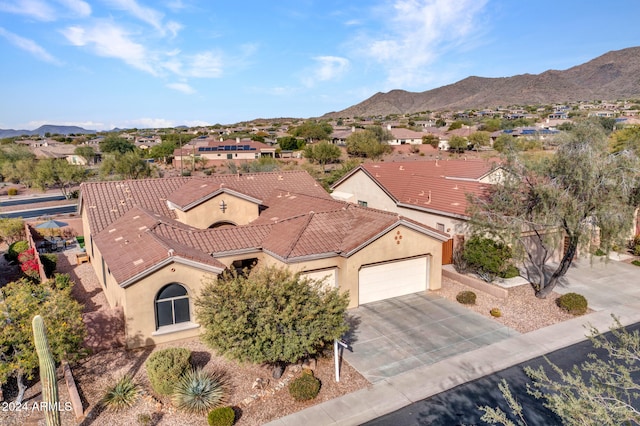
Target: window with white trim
column 172, row 305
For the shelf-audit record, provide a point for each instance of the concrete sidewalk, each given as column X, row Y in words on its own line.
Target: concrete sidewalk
column 610, row 287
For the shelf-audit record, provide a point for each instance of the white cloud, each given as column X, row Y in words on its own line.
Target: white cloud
column 28, row 45
column 199, row 65
column 109, row 40
column 418, row 32
column 79, row 8
column 327, row 68
column 182, row 87
column 150, row 123
column 36, row 9
column 205, row 65
column 146, row 14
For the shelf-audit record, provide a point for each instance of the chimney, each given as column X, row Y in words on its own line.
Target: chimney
column 428, row 199
column 238, row 140
column 353, row 129
column 389, row 127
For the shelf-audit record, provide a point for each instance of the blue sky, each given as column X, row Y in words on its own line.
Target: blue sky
column 138, row 63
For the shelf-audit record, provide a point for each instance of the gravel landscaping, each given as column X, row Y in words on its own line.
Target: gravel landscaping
column 257, row 397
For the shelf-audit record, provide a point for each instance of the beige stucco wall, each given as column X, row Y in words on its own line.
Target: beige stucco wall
column 238, row 211
column 364, row 189
column 139, row 311
column 384, row 249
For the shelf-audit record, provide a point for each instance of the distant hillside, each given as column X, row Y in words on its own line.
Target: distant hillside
column 611, row 76
column 47, row 128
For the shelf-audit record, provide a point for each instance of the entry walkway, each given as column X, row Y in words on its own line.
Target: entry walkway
column 610, row 287
column 397, row 335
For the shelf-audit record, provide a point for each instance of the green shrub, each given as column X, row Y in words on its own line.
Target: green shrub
column 305, row 387
column 486, row 257
column 510, row 272
column 49, row 262
column 12, row 191
column 599, row 252
column 495, row 312
column 198, row 391
column 165, row 367
column 466, row 297
column 62, row 281
column 635, row 262
column 15, row 249
column 574, row 303
column 634, row 245
column 123, row 394
column 221, row 416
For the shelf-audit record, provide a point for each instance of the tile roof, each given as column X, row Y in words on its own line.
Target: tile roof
column 130, row 247
column 439, row 185
column 138, row 234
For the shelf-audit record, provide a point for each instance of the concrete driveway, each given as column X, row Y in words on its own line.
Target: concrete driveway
column 397, row 335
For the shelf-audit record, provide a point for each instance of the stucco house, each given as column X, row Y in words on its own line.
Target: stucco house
column 152, row 242
column 432, row 192
column 215, row 151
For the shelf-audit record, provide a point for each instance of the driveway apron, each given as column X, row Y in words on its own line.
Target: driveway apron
column 396, row 335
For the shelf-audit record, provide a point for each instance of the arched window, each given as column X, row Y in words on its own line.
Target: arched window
column 172, row 305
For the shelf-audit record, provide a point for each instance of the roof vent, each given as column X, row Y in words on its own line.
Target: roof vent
column 401, row 167
column 170, row 252
column 428, row 199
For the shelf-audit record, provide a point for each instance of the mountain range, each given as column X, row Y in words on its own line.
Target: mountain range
column 47, row 128
column 612, row 76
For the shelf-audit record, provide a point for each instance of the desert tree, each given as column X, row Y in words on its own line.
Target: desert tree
column 369, row 143
column 312, row 130
column 20, row 301
column 87, row 152
column 115, row 143
column 11, row 229
column 58, row 173
column 323, row 152
column 270, row 315
column 579, row 192
column 602, row 391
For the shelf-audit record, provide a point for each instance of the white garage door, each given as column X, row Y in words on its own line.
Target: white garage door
column 329, row 276
column 392, row 279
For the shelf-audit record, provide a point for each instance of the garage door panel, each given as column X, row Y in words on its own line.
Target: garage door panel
column 392, row 279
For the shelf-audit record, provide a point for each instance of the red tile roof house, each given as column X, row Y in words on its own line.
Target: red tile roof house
column 152, row 242
column 430, row 192
column 217, row 151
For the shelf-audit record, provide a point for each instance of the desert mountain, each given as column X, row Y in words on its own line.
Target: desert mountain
column 611, row 76
column 47, row 128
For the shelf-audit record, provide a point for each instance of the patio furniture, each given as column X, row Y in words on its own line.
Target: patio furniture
column 82, row 257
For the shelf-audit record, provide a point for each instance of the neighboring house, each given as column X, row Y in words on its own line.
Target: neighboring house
column 340, row 135
column 152, row 242
column 217, row 151
column 403, row 136
column 430, row 192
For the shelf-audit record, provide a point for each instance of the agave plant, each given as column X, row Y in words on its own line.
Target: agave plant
column 123, row 394
column 199, row 391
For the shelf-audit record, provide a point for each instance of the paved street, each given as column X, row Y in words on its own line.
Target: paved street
column 459, row 405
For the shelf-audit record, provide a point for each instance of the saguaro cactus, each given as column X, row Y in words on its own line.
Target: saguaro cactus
column 47, row 373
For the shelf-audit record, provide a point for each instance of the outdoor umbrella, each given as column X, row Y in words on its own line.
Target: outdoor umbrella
column 52, row 225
